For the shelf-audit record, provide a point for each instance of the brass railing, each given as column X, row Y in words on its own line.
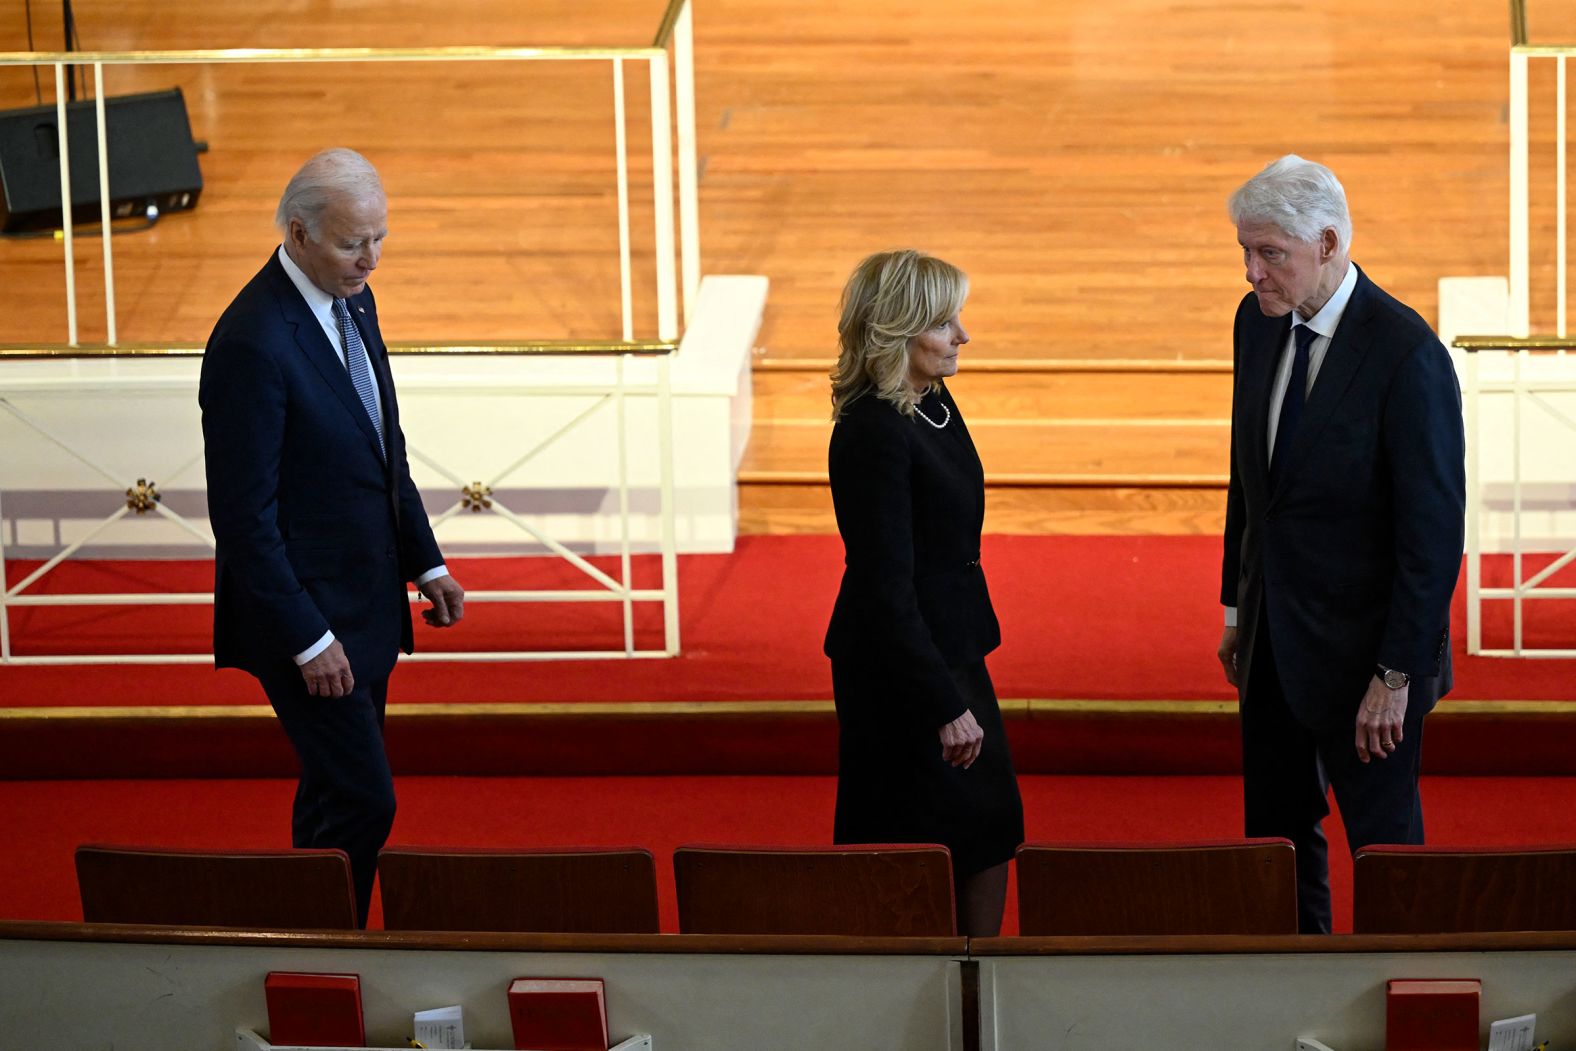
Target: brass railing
column 640, row 348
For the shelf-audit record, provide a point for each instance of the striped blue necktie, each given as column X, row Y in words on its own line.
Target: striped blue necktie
column 360, row 372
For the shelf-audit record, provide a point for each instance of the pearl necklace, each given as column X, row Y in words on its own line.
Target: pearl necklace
column 944, row 420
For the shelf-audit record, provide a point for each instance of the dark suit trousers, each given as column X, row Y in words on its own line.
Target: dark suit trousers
column 1288, row 769
column 345, row 797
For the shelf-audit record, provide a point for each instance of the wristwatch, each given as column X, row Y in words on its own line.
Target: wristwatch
column 1392, row 678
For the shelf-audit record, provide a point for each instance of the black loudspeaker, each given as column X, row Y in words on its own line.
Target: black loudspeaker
column 152, row 160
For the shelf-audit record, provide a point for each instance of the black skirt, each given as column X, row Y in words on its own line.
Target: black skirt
column 894, row 787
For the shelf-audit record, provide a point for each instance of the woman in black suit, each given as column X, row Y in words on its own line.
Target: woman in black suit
column 922, row 754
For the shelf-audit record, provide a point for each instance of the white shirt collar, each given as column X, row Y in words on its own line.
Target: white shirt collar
column 320, row 302
column 1329, row 316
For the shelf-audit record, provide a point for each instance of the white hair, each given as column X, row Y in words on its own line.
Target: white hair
column 328, row 176
column 1301, row 197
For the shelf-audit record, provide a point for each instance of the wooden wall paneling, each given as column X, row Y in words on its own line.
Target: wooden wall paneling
column 1075, row 159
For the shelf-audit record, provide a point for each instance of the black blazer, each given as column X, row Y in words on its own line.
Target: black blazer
column 910, row 502
column 1353, row 554
column 315, row 531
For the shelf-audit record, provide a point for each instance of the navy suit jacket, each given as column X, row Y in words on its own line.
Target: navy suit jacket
column 315, row 531
column 1352, row 553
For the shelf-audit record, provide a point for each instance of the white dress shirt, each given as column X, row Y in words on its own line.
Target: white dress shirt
column 1323, row 324
column 322, row 306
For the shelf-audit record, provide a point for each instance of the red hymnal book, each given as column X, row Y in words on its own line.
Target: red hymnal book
column 1432, row 1014
column 316, row 1010
column 558, row 1014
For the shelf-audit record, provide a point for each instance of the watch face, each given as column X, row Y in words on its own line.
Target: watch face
column 1395, row 679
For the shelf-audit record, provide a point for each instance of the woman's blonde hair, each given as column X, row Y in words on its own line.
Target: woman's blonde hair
column 890, row 298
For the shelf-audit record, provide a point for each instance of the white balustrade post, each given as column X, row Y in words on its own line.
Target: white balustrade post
column 620, row 407
column 670, row 566
column 104, row 201
column 620, row 147
column 662, row 199
column 1474, row 508
column 65, row 203
column 1520, row 259
column 5, row 596
column 1559, row 195
column 689, row 174
column 1518, row 379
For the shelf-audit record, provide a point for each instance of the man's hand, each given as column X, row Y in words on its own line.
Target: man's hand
column 961, row 740
column 448, row 601
column 1379, row 720
column 328, row 674
column 1228, row 654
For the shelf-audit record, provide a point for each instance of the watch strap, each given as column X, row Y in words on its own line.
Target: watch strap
column 1386, row 675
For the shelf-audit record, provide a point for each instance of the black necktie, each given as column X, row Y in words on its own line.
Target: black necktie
column 1296, row 394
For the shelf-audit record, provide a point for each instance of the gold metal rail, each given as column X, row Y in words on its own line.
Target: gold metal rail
column 1019, row 707
column 670, row 19
column 1518, row 35
column 190, row 56
column 650, row 348
column 1473, row 344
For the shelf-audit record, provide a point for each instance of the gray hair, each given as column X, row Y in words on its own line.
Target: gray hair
column 328, row 176
column 1301, row 197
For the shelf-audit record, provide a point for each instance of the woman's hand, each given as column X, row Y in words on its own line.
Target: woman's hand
column 961, row 740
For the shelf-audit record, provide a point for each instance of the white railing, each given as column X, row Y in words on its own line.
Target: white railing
column 676, row 259
column 94, row 459
column 678, row 81
column 1512, row 386
column 1523, row 54
column 1526, row 390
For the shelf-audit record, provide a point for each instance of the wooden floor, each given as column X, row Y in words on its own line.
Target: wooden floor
column 1074, row 158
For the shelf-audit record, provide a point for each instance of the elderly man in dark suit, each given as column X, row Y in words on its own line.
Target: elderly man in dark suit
column 1344, row 528
column 318, row 524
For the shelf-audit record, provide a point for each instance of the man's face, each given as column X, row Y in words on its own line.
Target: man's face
column 1285, row 273
column 347, row 247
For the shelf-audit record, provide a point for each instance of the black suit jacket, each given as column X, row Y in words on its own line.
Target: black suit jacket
column 315, row 530
column 1353, row 553
column 910, row 503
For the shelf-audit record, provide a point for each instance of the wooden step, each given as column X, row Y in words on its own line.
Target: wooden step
column 766, row 507
column 804, row 394
column 1044, row 452
column 1117, row 448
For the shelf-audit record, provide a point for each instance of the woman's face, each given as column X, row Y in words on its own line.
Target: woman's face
column 933, row 354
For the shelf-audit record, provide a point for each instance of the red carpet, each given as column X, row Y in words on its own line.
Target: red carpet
column 1083, row 617
column 45, row 821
